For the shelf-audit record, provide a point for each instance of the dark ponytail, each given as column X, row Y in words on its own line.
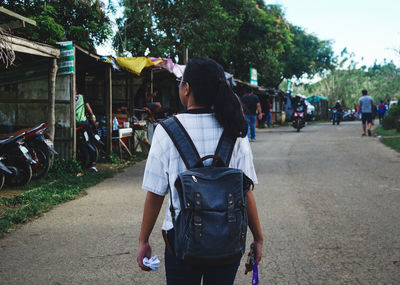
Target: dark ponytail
column 207, row 80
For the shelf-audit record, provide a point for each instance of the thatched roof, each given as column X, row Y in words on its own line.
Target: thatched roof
column 7, row 55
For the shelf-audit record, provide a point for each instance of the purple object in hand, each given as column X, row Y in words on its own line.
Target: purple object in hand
column 255, row 274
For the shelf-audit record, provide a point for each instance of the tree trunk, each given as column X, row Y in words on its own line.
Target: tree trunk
column 52, row 97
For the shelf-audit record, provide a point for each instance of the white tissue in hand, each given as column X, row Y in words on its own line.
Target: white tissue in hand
column 152, row 263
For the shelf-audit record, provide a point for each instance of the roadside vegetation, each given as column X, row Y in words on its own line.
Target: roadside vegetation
column 66, row 181
column 390, row 129
column 348, row 78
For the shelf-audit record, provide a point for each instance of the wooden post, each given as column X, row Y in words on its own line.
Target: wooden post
column 151, row 84
column 72, row 113
column 108, row 93
column 52, row 97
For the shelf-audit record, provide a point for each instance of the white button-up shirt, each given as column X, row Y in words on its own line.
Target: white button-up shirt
column 164, row 162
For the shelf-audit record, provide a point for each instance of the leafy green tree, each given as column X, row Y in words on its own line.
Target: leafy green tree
column 307, row 55
column 239, row 34
column 346, row 80
column 262, row 39
column 84, row 22
column 166, row 28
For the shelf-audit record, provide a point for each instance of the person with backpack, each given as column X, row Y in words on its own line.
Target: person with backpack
column 382, row 109
column 202, row 159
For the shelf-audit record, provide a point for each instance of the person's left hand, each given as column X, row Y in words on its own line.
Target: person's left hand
column 260, row 116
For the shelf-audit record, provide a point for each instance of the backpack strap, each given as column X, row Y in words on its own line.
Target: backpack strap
column 224, row 149
column 182, row 142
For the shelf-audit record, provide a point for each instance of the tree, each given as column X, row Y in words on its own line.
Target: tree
column 84, row 22
column 261, row 40
column 307, row 55
column 239, row 34
column 346, row 80
column 165, row 28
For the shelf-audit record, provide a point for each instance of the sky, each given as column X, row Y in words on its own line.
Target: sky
column 369, row 29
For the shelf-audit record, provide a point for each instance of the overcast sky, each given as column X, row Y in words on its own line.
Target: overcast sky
column 369, row 29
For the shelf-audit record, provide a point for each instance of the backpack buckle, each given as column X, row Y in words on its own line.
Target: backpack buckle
column 197, row 221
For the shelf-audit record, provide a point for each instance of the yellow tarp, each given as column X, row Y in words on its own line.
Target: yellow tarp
column 137, row 64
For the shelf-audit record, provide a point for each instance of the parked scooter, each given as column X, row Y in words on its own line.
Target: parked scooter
column 94, row 138
column 17, row 159
column 41, row 149
column 299, row 119
column 3, row 172
column 86, row 152
column 349, row 116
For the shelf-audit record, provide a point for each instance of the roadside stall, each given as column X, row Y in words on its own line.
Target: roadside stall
column 273, row 94
column 30, row 93
column 321, row 106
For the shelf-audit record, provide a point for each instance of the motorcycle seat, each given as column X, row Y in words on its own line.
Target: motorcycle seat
column 35, row 129
column 10, row 139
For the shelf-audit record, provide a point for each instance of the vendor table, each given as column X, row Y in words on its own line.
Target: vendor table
column 119, row 136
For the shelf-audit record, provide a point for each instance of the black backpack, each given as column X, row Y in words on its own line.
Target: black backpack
column 212, row 224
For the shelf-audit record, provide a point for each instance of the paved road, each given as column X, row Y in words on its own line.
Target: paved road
column 328, row 199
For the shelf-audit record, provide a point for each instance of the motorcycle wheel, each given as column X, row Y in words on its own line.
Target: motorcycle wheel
column 24, row 175
column 298, row 125
column 95, row 154
column 2, row 179
column 82, row 155
column 42, row 158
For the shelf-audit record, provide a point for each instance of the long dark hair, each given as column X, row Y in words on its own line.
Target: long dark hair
column 210, row 89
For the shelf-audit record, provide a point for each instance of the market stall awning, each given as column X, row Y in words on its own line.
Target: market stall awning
column 316, row 98
column 137, row 64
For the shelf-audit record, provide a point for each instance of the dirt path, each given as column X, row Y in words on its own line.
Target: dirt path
column 328, row 200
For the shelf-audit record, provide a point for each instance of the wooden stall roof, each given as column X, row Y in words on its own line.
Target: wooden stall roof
column 18, row 21
column 31, row 47
column 270, row 91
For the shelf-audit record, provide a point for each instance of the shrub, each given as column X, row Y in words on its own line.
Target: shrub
column 392, row 119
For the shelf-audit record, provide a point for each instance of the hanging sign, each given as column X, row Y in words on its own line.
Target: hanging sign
column 253, row 76
column 66, row 61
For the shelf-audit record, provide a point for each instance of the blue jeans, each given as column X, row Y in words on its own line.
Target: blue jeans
column 180, row 273
column 251, row 120
column 268, row 119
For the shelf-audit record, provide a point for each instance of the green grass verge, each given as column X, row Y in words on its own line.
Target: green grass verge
column 62, row 184
column 390, row 137
column 392, row 143
column 381, row 132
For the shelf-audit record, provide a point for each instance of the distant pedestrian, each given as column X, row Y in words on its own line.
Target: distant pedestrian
column 366, row 108
column 252, row 108
column 382, row 109
column 268, row 117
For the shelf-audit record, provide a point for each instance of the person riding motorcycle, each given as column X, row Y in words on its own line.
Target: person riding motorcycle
column 338, row 107
column 300, row 105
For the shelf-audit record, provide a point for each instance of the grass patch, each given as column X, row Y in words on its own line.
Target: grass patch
column 65, row 181
column 393, row 143
column 387, row 133
column 391, row 138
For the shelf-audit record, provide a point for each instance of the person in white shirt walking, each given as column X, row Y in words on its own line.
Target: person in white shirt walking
column 366, row 107
column 212, row 108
